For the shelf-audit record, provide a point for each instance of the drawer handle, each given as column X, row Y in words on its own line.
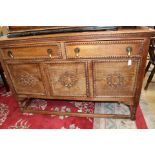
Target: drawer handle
column 129, row 50
column 49, row 51
column 10, row 54
column 77, row 51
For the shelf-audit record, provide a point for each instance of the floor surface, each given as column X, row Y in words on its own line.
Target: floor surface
column 149, row 94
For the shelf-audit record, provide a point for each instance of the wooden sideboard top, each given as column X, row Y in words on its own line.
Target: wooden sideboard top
column 121, row 32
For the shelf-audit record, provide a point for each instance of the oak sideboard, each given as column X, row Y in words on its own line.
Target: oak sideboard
column 84, row 66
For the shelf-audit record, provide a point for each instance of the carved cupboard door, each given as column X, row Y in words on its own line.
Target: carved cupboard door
column 67, row 79
column 26, row 78
column 115, row 78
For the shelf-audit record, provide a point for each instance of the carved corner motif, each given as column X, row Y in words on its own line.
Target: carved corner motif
column 68, row 79
column 26, row 79
column 115, row 80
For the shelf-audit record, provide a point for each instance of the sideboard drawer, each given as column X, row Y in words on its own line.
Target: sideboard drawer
column 99, row 49
column 37, row 51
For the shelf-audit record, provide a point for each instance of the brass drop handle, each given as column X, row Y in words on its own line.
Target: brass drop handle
column 10, row 54
column 77, row 51
column 49, row 51
column 129, row 50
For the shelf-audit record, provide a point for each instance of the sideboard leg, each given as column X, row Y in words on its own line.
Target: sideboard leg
column 133, row 112
column 134, row 107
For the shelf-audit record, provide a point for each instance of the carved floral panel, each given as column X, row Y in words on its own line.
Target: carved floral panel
column 27, row 78
column 67, row 79
column 114, row 78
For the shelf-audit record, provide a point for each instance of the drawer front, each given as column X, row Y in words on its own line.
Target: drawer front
column 114, row 78
column 99, row 49
column 37, row 51
column 26, row 78
column 67, row 79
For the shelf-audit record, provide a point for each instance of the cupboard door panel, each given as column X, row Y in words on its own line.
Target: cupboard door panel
column 26, row 78
column 115, row 78
column 67, row 79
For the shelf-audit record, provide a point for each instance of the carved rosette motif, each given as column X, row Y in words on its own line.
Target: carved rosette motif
column 115, row 80
column 68, row 79
column 26, row 79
